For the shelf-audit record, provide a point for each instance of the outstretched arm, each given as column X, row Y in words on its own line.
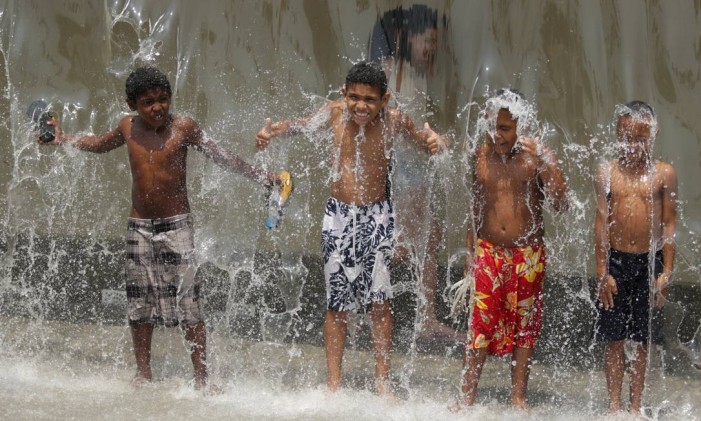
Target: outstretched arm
column 287, row 128
column 226, row 159
column 606, row 284
column 669, row 228
column 91, row 143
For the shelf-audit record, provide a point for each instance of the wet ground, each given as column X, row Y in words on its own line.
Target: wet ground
column 58, row 370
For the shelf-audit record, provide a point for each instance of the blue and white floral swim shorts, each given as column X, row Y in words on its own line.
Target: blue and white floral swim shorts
column 357, row 243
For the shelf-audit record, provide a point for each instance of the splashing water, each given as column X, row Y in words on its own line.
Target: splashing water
column 66, row 351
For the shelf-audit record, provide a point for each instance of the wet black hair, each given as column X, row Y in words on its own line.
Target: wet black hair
column 144, row 79
column 502, row 92
column 367, row 73
column 390, row 35
column 639, row 108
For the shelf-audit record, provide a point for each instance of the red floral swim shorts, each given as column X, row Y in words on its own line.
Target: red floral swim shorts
column 507, row 297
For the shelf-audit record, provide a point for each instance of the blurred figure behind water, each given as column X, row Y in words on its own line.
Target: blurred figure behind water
column 404, row 41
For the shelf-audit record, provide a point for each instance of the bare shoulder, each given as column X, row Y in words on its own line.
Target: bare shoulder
column 184, row 123
column 665, row 168
column 397, row 117
column 188, row 127
column 603, row 176
column 481, row 150
column 336, row 106
column 336, row 109
column 666, row 172
column 605, row 168
column 478, row 159
column 126, row 122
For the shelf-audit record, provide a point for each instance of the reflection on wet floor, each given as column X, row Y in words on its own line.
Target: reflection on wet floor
column 266, row 380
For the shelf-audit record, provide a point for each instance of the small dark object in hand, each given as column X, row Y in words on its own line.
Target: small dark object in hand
column 37, row 112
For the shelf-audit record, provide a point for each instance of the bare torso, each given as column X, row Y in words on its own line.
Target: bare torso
column 635, row 206
column 508, row 198
column 362, row 157
column 158, row 160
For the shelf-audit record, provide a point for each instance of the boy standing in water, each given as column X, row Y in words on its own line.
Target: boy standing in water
column 358, row 224
column 511, row 177
column 636, row 199
column 161, row 283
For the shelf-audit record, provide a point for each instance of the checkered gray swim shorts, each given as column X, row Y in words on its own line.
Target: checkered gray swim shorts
column 160, row 268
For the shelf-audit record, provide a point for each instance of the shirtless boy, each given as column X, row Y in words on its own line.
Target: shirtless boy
column 161, row 284
column 358, row 224
column 512, row 175
column 636, row 198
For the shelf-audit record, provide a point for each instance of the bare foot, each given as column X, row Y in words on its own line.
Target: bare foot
column 615, row 407
column 200, row 382
column 384, row 389
column 333, row 386
column 433, row 329
column 213, row 390
column 139, row 381
column 458, row 406
column 634, row 410
column 521, row 404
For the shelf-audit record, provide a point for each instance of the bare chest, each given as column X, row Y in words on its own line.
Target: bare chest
column 515, row 178
column 362, row 147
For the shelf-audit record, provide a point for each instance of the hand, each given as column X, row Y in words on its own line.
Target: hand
column 264, row 135
column 607, row 289
column 272, row 179
column 533, row 147
column 528, row 145
column 58, row 134
column 435, row 143
column 661, row 287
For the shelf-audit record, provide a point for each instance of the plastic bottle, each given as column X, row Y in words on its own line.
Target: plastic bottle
column 278, row 199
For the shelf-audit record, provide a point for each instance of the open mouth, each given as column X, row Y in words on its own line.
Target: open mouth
column 361, row 116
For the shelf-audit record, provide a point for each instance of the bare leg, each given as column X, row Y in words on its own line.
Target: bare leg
column 335, row 331
column 429, row 285
column 614, row 364
column 472, row 371
column 141, row 336
column 520, row 372
column 196, row 337
column 637, row 378
column 381, row 318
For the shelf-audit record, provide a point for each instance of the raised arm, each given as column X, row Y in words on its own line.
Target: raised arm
column 669, row 229
column 223, row 158
column 606, row 284
column 549, row 172
column 91, row 143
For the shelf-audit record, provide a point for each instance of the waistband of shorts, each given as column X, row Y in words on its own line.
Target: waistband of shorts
column 385, row 204
column 643, row 257
column 487, row 245
column 159, row 225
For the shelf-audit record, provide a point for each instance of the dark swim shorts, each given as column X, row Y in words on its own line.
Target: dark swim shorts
column 630, row 316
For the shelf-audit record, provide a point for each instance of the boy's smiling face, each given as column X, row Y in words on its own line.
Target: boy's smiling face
column 504, row 135
column 364, row 102
column 153, row 107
